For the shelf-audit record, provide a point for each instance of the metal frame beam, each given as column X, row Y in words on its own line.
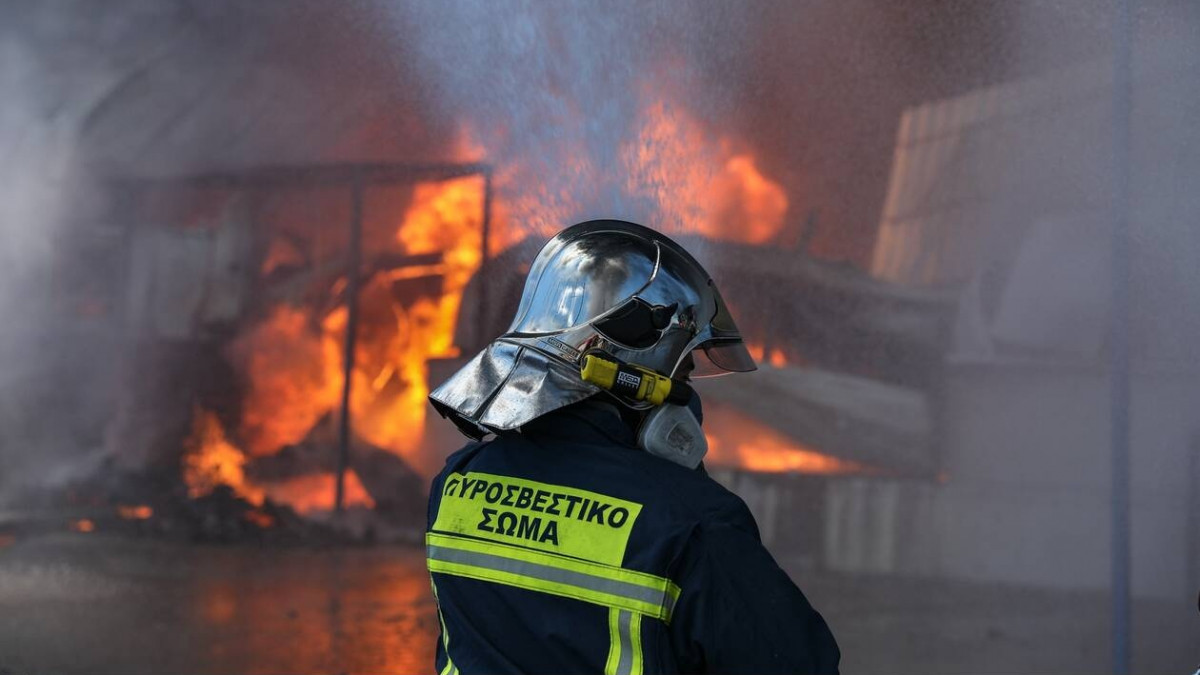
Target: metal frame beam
column 356, row 177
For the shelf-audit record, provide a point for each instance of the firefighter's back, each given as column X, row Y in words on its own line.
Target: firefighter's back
column 567, row 544
column 563, row 550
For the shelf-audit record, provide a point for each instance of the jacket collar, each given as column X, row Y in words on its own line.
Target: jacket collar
column 590, row 420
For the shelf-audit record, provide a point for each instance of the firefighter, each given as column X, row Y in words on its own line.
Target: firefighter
column 585, row 536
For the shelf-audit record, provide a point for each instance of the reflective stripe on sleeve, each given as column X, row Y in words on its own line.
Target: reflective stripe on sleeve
column 614, row 641
column 606, row 585
column 635, row 634
column 450, row 668
column 625, row 643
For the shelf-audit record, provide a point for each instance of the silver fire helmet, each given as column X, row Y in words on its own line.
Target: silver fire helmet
column 603, row 284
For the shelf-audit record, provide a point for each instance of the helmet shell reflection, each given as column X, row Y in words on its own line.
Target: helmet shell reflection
column 603, row 284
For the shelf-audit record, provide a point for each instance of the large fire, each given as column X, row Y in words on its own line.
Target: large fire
column 696, row 183
column 292, row 359
column 443, row 218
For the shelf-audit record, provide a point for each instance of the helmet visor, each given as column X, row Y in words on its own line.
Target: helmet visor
column 723, row 352
column 719, row 357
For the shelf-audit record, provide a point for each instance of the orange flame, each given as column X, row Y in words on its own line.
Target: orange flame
column 315, row 492
column 139, row 512
column 293, row 375
column 292, row 360
column 695, row 181
column 447, row 218
column 762, row 355
column 735, row 439
column 258, row 518
column 83, row 525
column 211, row 461
column 294, row 367
column 280, row 253
column 701, row 183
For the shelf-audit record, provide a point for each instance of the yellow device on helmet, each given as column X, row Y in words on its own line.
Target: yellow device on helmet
column 633, row 381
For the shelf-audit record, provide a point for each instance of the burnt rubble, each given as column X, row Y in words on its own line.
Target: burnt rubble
column 156, row 503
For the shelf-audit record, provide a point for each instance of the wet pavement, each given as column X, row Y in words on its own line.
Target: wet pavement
column 98, row 603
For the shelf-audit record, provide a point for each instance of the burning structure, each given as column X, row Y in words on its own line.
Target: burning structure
column 243, row 243
column 276, row 300
column 287, row 318
column 291, row 300
column 276, row 251
column 321, row 336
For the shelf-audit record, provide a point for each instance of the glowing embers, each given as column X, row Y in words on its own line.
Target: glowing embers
column 138, row 512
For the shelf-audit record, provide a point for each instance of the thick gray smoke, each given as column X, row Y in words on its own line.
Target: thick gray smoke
column 133, row 88
column 38, row 181
column 37, row 163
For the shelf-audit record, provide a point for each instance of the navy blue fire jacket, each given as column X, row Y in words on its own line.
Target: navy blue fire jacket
column 567, row 549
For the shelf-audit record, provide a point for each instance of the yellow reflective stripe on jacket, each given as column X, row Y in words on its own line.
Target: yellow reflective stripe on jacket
column 614, row 641
column 449, row 669
column 604, row 585
column 625, row 643
column 635, row 631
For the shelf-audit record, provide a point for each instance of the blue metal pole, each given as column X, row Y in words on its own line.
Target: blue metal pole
column 1119, row 330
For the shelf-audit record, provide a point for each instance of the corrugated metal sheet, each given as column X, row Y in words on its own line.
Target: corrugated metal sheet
column 977, row 180
column 968, row 171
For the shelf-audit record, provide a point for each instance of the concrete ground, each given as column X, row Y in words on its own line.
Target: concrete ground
column 95, row 603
